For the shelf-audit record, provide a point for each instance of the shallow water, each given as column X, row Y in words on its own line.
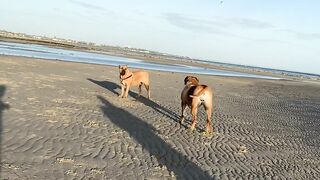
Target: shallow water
column 45, row 52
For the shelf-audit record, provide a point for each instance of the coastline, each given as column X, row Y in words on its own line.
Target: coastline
column 162, row 59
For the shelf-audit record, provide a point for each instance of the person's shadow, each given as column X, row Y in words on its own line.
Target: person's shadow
column 144, row 134
column 111, row 86
column 3, row 106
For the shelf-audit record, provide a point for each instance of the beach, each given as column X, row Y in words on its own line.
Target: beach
column 64, row 120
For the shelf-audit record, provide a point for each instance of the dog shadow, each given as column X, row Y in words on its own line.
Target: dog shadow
column 144, row 134
column 111, row 86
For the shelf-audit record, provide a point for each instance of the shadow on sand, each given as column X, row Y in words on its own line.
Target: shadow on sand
column 3, row 106
column 144, row 134
column 111, row 86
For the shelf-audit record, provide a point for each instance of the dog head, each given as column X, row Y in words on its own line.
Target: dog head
column 191, row 79
column 123, row 69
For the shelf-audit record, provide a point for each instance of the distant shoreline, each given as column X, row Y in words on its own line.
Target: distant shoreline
column 159, row 58
column 53, row 54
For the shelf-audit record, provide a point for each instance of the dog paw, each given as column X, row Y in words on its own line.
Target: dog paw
column 207, row 134
column 192, row 128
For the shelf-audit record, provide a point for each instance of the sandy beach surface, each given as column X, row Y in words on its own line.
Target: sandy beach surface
column 62, row 120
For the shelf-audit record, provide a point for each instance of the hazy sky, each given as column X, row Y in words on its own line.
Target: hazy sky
column 282, row 34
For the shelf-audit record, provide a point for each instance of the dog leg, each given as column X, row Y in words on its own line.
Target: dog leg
column 126, row 91
column 122, row 91
column 147, row 86
column 139, row 90
column 183, row 107
column 194, row 111
column 209, row 128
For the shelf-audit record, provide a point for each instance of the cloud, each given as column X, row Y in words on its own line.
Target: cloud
column 87, row 5
column 272, row 41
column 250, row 23
column 225, row 26
column 216, row 26
column 301, row 35
column 194, row 24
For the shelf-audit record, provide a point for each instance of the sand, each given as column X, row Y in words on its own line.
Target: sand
column 62, row 120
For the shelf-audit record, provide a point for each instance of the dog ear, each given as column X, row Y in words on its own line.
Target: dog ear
column 196, row 79
column 186, row 80
column 125, row 67
column 119, row 66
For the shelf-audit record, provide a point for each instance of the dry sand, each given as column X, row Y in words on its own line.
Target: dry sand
column 62, row 120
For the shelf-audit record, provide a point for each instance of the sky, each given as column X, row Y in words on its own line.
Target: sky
column 266, row 33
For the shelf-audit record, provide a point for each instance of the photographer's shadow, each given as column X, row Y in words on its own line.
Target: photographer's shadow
column 3, row 106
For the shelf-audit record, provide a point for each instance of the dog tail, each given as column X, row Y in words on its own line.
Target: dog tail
column 199, row 93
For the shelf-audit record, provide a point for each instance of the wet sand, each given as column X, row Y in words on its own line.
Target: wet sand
column 62, row 120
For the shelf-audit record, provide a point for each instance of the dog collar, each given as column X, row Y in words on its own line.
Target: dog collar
column 126, row 77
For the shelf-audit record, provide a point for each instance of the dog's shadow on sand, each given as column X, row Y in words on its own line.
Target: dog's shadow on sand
column 144, row 134
column 111, row 86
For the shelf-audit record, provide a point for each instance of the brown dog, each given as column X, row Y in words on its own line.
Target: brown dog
column 195, row 95
column 128, row 79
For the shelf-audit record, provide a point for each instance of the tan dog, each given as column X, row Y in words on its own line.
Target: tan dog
column 195, row 95
column 128, row 79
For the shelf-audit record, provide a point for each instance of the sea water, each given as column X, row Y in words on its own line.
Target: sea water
column 50, row 53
